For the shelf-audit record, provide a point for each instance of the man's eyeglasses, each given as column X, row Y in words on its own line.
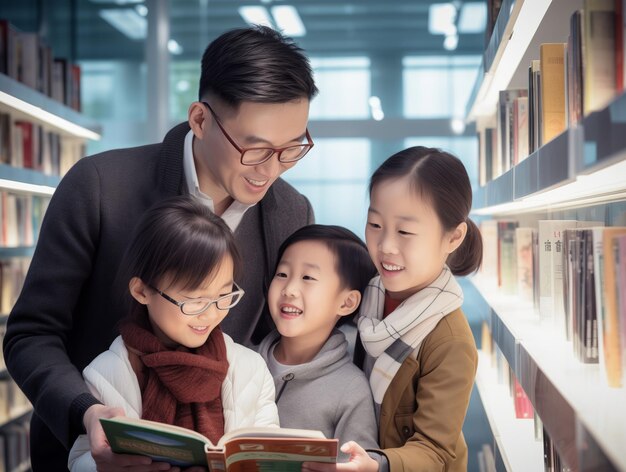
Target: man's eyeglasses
column 200, row 305
column 258, row 155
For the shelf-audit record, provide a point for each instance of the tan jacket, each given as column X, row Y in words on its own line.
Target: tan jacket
column 424, row 407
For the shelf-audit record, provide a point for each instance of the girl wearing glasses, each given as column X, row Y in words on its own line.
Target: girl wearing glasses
column 171, row 362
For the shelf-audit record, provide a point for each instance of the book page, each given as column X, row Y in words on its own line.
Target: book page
column 269, row 432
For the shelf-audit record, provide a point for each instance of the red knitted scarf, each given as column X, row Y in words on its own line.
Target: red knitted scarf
column 180, row 387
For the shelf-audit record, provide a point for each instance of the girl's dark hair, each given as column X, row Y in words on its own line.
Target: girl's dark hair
column 179, row 238
column 441, row 178
column 352, row 260
column 255, row 64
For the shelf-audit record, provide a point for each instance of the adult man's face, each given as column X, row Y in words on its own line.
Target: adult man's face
column 218, row 163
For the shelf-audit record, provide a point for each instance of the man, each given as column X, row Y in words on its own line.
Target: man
column 248, row 127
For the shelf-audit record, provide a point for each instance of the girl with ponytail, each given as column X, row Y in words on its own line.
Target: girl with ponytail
column 420, row 355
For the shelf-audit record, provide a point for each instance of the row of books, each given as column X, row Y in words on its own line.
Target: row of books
column 12, row 274
column 567, row 82
column 25, row 57
column 573, row 273
column 521, row 403
column 14, row 447
column 29, row 145
column 13, row 402
column 493, row 10
column 524, row 409
column 552, row 461
column 486, row 459
column 20, row 218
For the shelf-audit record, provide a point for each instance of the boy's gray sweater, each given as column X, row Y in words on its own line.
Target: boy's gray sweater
column 329, row 394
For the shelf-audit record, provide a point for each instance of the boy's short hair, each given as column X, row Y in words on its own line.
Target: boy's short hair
column 352, row 261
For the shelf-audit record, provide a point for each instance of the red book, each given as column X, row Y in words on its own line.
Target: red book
column 27, row 143
column 75, row 97
column 523, row 407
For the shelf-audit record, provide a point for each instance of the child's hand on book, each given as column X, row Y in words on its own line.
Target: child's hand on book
column 359, row 461
column 105, row 459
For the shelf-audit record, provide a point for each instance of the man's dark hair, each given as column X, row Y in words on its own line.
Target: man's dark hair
column 352, row 261
column 255, row 64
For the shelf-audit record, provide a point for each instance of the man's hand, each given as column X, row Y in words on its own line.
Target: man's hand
column 106, row 460
column 359, row 461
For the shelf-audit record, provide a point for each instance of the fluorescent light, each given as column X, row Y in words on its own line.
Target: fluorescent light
column 183, row 86
column 441, row 18
column 472, row 18
column 378, row 114
column 174, row 47
column 288, row 20
column 142, row 10
column 451, row 42
column 127, row 21
column 256, row 15
column 374, row 102
column 47, row 117
column 376, row 108
column 457, row 125
column 26, row 187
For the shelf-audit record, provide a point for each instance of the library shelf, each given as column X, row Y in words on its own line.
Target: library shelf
column 521, row 26
column 16, row 415
column 584, row 417
column 586, row 164
column 515, row 437
column 26, row 103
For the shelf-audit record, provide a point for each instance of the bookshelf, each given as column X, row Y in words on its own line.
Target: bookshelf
column 568, row 396
column 510, row 433
column 583, row 167
column 26, row 104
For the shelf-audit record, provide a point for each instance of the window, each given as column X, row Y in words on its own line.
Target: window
column 344, row 88
column 334, row 177
column 438, row 86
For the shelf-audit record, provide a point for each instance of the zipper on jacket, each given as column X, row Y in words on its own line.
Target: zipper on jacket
column 286, row 378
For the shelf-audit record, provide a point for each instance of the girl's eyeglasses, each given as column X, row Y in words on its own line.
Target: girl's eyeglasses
column 200, row 305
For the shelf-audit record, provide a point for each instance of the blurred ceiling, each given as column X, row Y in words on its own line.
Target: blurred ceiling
column 333, row 27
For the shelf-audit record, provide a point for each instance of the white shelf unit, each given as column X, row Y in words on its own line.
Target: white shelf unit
column 29, row 104
column 570, row 397
column 24, row 103
column 585, row 165
column 512, row 435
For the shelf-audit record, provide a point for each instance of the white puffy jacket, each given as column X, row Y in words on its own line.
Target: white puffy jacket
column 247, row 392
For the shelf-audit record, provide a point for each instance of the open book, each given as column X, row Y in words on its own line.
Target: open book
column 246, row 449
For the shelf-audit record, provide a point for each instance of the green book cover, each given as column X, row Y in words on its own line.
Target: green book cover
column 163, row 443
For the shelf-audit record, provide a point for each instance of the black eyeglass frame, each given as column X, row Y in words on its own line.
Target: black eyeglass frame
column 307, row 147
column 209, row 301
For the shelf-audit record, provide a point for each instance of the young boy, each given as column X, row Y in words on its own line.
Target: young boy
column 318, row 283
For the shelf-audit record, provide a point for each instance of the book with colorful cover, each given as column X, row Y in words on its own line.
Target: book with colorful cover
column 245, row 449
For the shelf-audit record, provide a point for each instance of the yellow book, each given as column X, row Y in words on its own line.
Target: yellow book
column 610, row 316
column 553, row 118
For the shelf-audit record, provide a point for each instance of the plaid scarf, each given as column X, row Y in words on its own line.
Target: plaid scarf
column 182, row 387
column 392, row 340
